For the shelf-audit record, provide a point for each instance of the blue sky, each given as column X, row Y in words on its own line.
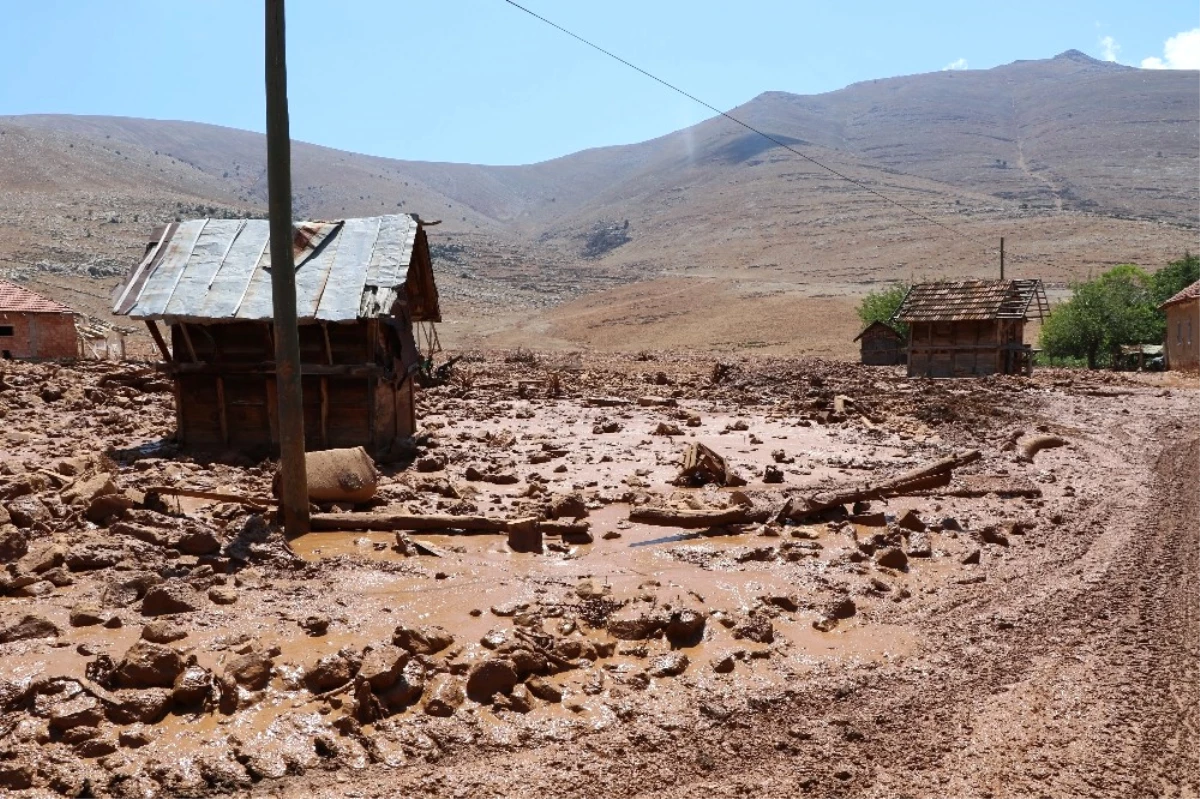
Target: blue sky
column 479, row 81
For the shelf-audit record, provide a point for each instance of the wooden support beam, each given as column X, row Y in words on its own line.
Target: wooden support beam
column 156, row 334
column 325, row 413
column 187, row 340
column 224, row 417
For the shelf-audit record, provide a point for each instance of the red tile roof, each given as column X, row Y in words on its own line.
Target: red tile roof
column 1190, row 293
column 14, row 299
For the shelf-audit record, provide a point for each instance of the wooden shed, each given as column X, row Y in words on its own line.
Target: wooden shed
column 32, row 326
column 881, row 345
column 1183, row 328
column 971, row 327
column 361, row 285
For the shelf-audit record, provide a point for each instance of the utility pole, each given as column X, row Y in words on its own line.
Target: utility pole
column 1001, row 257
column 293, row 497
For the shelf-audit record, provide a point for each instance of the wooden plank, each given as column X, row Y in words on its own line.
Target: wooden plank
column 356, row 243
column 221, row 408
column 156, row 334
column 314, row 274
column 187, row 340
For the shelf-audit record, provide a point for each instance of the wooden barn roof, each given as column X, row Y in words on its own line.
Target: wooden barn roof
column 1192, row 292
column 14, row 299
column 882, row 328
column 220, row 270
column 973, row 300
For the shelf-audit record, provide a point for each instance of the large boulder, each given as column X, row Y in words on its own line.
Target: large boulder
column 170, row 598
column 29, row 627
column 149, row 665
column 82, row 710
column 146, row 706
column 490, row 677
column 632, row 624
column 445, row 696
column 427, row 639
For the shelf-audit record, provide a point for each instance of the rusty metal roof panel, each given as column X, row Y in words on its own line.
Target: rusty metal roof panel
column 14, row 299
column 972, row 300
column 220, row 270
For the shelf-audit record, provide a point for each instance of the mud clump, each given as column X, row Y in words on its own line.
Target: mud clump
column 149, row 665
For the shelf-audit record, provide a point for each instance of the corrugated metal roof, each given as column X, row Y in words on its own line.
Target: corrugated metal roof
column 220, row 269
column 1192, row 292
column 14, row 299
column 968, row 300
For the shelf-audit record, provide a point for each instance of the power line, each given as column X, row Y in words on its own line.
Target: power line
column 745, row 125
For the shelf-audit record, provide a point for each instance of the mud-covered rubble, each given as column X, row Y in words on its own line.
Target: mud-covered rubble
column 156, row 644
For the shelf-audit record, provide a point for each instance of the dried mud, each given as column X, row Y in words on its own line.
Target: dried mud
column 1038, row 636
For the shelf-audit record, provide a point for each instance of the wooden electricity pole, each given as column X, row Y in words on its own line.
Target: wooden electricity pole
column 1001, row 257
column 293, row 497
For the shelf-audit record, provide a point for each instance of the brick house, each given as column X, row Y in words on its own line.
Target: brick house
column 1183, row 328
column 32, row 326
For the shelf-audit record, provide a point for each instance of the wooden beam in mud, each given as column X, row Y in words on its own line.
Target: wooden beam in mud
column 388, row 522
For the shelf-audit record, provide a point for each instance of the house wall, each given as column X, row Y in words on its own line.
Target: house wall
column 963, row 349
column 1183, row 335
column 38, row 335
column 226, row 387
column 881, row 349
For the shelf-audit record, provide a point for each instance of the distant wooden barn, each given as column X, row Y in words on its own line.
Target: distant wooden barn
column 881, row 345
column 361, row 284
column 1183, row 328
column 970, row 328
column 32, row 326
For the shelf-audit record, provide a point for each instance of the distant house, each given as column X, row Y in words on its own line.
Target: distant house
column 881, row 345
column 1183, row 328
column 361, row 285
column 32, row 326
column 971, row 327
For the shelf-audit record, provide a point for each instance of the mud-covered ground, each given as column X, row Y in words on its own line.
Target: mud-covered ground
column 1029, row 629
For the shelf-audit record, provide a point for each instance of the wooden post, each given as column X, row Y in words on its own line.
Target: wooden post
column 1001, row 257
column 293, row 497
column 158, row 340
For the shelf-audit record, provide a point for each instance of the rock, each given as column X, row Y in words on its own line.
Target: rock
column 445, row 696
column 315, row 625
column 42, row 557
column 892, row 558
column 199, row 541
column 825, row 623
column 992, row 535
column 520, row 700
column 223, row 594
column 567, row 506
column 588, row 589
column 29, row 627
column 252, row 670
column 669, row 665
column 192, row 686
column 525, row 537
column 527, row 662
column 490, row 677
column 919, row 545
column 83, row 710
column 544, row 689
column 86, row 616
column 17, row 775
column 424, row 640
column 772, row 474
column 909, row 520
column 27, row 511
column 90, row 557
column 951, row 523
column 972, row 557
column 86, row 489
column 163, row 632
column 382, row 665
column 407, row 688
column 170, row 598
column 685, row 627
column 434, row 462
column 631, row 624
column 722, row 663
column 842, row 608
column 149, row 665
column 577, row 537
column 869, row 519
column 13, row 544
column 757, row 628
column 146, row 706
column 330, row 672
column 783, row 602
column 106, row 506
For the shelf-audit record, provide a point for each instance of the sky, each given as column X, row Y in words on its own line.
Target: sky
column 480, row 81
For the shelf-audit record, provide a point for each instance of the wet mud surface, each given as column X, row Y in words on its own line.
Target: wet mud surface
column 1028, row 629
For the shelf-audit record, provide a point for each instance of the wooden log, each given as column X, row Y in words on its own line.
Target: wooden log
column 400, row 521
column 698, row 519
column 171, row 491
column 1038, row 443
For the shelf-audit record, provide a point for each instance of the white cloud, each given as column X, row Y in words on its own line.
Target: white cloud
column 1181, row 51
column 960, row 63
column 1109, row 48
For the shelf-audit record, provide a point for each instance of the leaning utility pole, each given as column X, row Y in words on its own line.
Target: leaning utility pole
column 293, row 496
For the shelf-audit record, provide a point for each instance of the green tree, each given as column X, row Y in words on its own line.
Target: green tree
column 1174, row 278
column 1102, row 315
column 878, row 306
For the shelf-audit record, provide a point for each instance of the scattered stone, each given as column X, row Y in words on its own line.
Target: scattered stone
column 149, row 665
column 842, row 608
column 146, row 706
column 251, row 670
column 83, row 710
column 919, row 545
column 163, row 632
column 425, row 640
column 315, row 625
column 445, row 696
column 567, row 506
column 199, row 541
column 723, row 663
column 192, row 686
column 28, row 511
column 13, row 543
column 223, row 594
column 757, row 628
column 491, row 676
column 909, row 520
column 434, row 462
column 382, row 666
column 892, row 558
column 170, row 598
column 685, row 628
column 86, row 616
column 333, row 670
column 992, row 535
column 28, row 628
column 631, row 624
column 544, row 689
column 972, row 557
column 669, row 665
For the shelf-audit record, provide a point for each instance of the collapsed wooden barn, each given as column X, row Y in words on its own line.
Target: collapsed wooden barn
column 881, row 345
column 361, row 285
column 970, row 327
